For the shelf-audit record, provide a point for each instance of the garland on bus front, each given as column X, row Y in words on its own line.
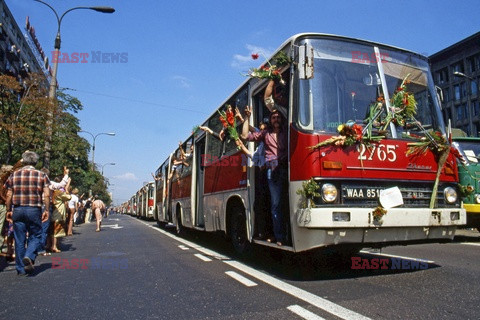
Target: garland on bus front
column 403, row 107
column 435, row 142
column 350, row 134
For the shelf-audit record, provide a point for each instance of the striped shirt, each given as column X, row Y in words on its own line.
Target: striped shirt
column 27, row 186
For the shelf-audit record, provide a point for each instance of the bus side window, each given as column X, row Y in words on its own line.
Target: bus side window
column 215, row 146
column 240, row 101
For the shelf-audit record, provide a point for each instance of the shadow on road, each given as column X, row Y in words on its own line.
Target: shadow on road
column 309, row 266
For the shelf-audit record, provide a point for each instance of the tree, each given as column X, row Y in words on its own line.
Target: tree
column 23, row 114
column 23, row 109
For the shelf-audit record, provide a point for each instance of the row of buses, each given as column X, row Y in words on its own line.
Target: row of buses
column 390, row 185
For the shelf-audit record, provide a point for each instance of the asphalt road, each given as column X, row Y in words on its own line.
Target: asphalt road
column 136, row 270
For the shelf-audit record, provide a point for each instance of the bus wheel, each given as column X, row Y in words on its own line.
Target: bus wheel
column 478, row 229
column 238, row 230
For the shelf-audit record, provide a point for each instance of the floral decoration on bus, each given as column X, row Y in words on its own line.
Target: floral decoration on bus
column 438, row 144
column 308, row 192
column 465, row 191
column 378, row 214
column 271, row 70
column 350, row 134
column 403, row 107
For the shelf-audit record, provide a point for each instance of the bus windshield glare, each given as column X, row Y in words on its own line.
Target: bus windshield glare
column 348, row 79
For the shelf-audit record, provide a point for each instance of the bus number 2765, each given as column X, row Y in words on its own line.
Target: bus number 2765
column 381, row 152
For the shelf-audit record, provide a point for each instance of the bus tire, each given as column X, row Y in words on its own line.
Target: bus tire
column 238, row 230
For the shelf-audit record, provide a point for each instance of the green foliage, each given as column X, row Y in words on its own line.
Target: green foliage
column 23, row 114
column 308, row 192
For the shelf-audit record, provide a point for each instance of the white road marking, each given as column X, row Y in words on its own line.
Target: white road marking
column 304, row 313
column 202, row 257
column 113, row 226
column 241, row 279
column 298, row 293
column 183, row 247
column 195, row 246
column 471, row 243
column 394, row 256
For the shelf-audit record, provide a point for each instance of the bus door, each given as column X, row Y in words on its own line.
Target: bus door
column 199, row 181
column 168, row 198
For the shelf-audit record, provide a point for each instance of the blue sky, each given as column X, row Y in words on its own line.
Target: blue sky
column 185, row 57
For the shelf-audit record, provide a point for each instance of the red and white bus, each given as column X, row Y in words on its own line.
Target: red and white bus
column 144, row 202
column 371, row 193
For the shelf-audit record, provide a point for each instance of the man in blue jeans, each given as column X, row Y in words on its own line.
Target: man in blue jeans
column 27, row 191
column 275, row 139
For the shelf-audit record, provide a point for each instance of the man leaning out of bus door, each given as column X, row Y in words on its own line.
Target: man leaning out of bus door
column 275, row 139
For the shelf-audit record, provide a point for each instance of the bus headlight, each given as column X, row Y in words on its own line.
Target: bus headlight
column 477, row 198
column 329, row 193
column 450, row 194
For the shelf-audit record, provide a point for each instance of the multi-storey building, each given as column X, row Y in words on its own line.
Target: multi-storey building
column 18, row 53
column 456, row 70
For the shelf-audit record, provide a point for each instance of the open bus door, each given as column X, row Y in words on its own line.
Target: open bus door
column 199, row 173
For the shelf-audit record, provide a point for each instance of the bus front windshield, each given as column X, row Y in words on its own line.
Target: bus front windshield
column 348, row 82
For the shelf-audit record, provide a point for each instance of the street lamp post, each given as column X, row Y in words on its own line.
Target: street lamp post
column 93, row 145
column 107, row 164
column 53, row 82
column 470, row 112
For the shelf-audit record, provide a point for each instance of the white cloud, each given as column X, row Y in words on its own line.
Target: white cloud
column 127, row 176
column 183, row 81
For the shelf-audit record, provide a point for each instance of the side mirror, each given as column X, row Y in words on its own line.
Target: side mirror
column 305, row 61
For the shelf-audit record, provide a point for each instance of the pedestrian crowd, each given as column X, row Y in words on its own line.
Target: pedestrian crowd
column 36, row 212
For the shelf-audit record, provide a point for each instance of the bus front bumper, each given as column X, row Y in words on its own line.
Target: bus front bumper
column 320, row 227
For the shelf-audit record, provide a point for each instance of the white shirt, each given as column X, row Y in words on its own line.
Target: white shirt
column 72, row 203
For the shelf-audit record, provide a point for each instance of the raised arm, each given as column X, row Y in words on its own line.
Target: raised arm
column 244, row 149
column 245, row 126
column 267, row 96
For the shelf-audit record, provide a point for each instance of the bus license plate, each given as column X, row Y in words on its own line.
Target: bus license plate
column 362, row 193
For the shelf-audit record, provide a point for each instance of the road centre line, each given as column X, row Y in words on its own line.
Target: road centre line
column 304, row 313
column 298, row 293
column 202, row 257
column 394, row 256
column 241, row 279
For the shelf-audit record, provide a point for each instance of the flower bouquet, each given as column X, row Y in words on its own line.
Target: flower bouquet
column 350, row 134
column 403, row 105
column 195, row 130
column 229, row 122
column 272, row 69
